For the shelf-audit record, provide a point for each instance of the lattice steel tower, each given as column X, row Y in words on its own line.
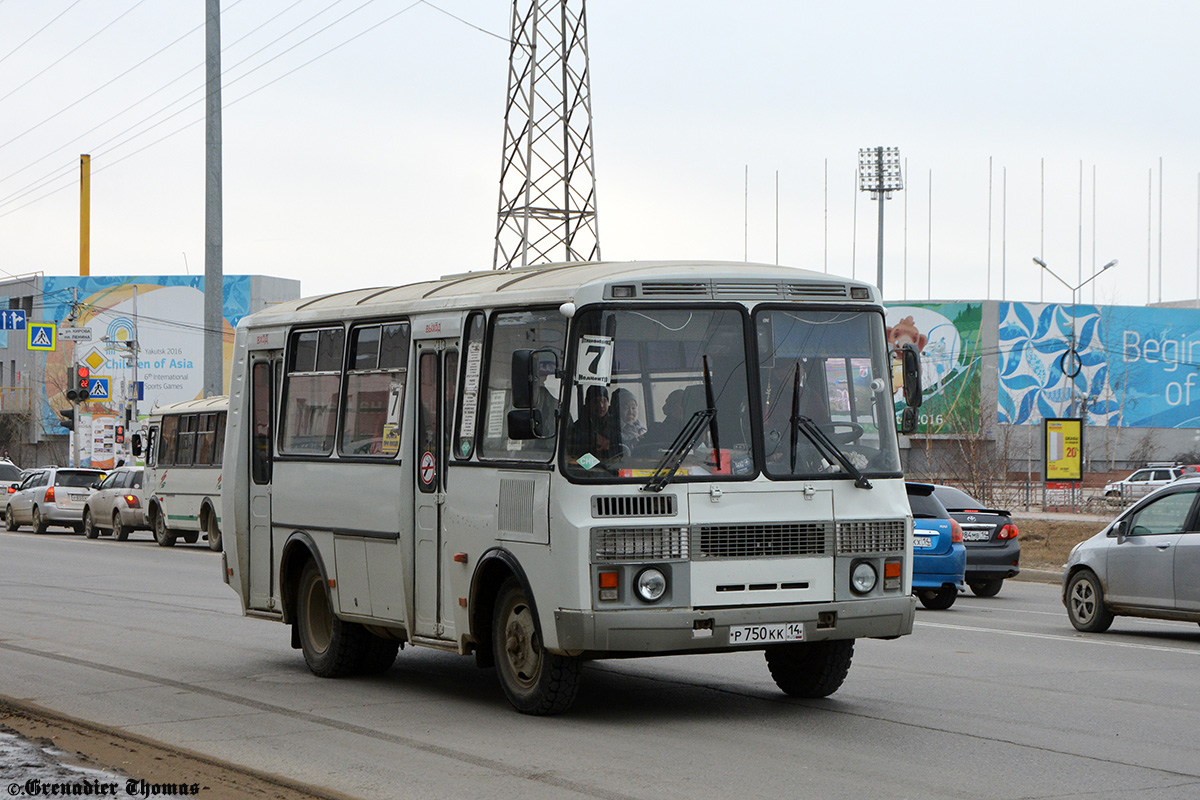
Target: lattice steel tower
column 547, row 179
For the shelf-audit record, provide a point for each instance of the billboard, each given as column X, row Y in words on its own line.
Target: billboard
column 168, row 326
column 1136, row 367
column 948, row 336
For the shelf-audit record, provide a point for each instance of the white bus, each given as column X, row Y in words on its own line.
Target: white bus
column 183, row 449
column 568, row 462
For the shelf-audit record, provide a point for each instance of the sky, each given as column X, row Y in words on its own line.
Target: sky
column 362, row 139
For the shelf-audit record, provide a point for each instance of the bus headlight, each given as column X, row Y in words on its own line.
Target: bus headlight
column 863, row 577
column 650, row 584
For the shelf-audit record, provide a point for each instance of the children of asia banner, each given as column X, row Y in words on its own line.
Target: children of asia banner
column 948, row 336
column 1131, row 367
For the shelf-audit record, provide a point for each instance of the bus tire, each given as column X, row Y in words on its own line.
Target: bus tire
column 120, row 532
column 162, row 534
column 332, row 648
column 534, row 680
column 810, row 669
column 191, row 537
column 378, row 655
column 214, row 533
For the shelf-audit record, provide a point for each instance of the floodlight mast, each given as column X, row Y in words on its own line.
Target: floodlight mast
column 547, row 206
column 879, row 173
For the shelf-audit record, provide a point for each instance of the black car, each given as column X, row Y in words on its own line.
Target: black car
column 993, row 550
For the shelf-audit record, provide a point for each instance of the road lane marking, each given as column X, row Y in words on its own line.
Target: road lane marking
column 1059, row 637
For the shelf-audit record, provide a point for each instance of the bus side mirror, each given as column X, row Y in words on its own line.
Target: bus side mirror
column 911, row 365
column 136, row 444
column 526, row 423
column 908, row 421
column 524, row 381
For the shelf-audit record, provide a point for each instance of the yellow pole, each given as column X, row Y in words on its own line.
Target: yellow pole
column 85, row 214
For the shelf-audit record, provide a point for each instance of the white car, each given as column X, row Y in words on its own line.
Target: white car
column 51, row 496
column 117, row 504
column 1142, row 483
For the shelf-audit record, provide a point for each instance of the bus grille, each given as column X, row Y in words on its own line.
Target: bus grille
column 764, row 541
column 639, row 544
column 658, row 505
column 870, row 536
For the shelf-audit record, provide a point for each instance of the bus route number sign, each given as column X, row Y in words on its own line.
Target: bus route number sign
column 766, row 634
column 593, row 362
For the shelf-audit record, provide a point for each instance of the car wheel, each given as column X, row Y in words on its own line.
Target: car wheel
column 39, row 524
column 332, row 648
column 89, row 525
column 986, row 588
column 810, row 669
column 120, row 532
column 1085, row 603
column 10, row 522
column 214, row 537
column 534, row 680
column 938, row 599
column 162, row 534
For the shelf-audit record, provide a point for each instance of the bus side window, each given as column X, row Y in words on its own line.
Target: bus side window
column 374, row 390
column 464, row 444
column 166, row 442
column 311, row 389
column 260, row 431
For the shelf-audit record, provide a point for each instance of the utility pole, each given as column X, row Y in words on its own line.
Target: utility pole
column 547, row 180
column 214, row 356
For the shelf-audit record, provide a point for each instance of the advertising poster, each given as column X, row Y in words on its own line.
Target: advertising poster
column 1135, row 367
column 168, row 327
column 1064, row 450
column 948, row 336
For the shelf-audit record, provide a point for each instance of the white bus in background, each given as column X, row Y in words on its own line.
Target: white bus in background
column 183, row 448
column 430, row 464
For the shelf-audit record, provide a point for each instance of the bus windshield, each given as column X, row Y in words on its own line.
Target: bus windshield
column 640, row 379
column 825, row 372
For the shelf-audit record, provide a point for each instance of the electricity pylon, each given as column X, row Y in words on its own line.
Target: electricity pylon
column 547, row 180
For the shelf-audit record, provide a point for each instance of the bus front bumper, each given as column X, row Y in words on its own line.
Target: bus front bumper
column 629, row 632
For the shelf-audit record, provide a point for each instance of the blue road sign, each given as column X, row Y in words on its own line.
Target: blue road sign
column 41, row 336
column 12, row 320
column 98, row 388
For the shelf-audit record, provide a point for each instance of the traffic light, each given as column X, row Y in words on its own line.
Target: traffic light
column 119, row 434
column 68, row 418
column 77, row 383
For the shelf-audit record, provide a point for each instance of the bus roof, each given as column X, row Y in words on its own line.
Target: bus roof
column 581, row 282
column 218, row 402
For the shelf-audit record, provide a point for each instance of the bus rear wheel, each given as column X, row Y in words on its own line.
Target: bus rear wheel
column 162, row 534
column 214, row 533
column 534, row 680
column 810, row 669
column 332, row 648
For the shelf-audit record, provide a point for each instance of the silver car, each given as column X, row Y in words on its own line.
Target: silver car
column 1142, row 482
column 117, row 504
column 51, row 496
column 1144, row 564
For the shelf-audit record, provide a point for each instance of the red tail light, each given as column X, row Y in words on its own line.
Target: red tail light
column 50, row 495
column 132, row 501
column 956, row 536
column 11, row 490
column 1009, row 531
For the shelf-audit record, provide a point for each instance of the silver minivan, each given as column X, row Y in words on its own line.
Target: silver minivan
column 1146, row 563
column 117, row 504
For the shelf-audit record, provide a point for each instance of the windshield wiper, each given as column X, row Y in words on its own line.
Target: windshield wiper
column 687, row 439
column 826, row 447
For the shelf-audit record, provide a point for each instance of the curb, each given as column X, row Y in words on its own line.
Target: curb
column 1039, row 575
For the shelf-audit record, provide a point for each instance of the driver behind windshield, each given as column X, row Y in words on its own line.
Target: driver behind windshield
column 598, row 430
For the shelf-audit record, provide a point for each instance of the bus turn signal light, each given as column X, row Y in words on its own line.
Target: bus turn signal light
column 608, row 585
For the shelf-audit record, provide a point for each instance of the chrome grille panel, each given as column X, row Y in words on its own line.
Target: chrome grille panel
column 658, row 505
column 763, row 540
column 640, row 544
column 870, row 536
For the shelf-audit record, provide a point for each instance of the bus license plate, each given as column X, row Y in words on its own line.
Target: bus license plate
column 755, row 634
column 922, row 541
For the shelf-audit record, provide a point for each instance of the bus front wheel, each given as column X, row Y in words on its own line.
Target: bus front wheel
column 162, row 534
column 534, row 680
column 332, row 648
column 810, row 669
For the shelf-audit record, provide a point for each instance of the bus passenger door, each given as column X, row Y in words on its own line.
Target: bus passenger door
column 263, row 382
column 437, row 373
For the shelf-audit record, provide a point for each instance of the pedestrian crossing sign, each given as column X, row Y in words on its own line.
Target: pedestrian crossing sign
column 41, row 336
column 98, row 387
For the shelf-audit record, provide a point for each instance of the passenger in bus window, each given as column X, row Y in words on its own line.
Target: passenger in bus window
column 625, row 405
column 663, row 433
column 598, row 431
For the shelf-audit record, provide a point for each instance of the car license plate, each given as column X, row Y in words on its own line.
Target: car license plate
column 77, row 498
column 976, row 536
column 922, row 541
column 754, row 634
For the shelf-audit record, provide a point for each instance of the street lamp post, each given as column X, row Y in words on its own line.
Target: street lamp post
column 1071, row 353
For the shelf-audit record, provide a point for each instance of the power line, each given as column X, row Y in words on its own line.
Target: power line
column 38, row 31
